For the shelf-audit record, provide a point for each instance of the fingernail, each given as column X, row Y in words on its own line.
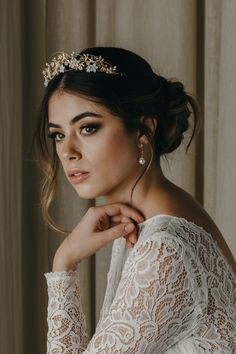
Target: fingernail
column 129, row 227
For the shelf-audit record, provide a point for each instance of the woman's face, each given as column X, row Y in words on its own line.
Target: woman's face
column 89, row 138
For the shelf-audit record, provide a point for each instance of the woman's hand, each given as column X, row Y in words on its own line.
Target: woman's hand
column 99, row 226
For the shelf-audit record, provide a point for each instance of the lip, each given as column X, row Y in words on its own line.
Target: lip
column 73, row 171
column 77, row 179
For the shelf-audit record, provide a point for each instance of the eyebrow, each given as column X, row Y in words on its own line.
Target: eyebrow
column 76, row 119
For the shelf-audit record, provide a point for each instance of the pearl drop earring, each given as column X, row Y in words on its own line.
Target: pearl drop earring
column 141, row 159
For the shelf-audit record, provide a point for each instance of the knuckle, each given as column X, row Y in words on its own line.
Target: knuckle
column 91, row 209
column 118, row 204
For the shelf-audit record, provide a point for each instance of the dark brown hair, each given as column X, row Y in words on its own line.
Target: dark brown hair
column 139, row 93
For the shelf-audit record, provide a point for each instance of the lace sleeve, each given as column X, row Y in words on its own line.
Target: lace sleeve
column 157, row 303
column 67, row 330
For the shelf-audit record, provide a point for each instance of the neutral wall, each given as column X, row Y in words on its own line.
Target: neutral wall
column 192, row 40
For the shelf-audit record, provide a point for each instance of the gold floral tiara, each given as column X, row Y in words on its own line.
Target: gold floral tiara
column 86, row 62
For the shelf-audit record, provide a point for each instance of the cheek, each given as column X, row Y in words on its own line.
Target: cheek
column 115, row 152
column 58, row 152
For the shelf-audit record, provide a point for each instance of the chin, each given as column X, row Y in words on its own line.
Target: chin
column 98, row 187
column 87, row 194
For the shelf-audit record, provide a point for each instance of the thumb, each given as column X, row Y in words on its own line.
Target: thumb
column 118, row 231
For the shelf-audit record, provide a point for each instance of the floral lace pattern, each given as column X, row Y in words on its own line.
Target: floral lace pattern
column 173, row 292
column 66, row 318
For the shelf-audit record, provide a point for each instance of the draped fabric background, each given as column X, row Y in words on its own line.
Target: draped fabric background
column 192, row 40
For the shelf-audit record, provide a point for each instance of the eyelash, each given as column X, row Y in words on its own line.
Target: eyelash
column 91, row 126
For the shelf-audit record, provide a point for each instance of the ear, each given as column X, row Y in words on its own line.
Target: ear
column 151, row 124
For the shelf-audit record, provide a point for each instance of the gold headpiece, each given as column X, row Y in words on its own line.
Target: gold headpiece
column 86, row 62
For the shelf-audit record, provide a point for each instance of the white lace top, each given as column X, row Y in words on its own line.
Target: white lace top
column 173, row 292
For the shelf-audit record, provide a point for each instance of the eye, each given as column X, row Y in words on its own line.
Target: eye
column 89, row 127
column 56, row 136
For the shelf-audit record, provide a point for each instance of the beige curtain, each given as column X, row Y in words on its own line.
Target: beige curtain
column 193, row 40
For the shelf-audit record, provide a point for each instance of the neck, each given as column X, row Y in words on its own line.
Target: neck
column 148, row 195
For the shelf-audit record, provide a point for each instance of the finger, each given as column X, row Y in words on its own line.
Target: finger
column 130, row 237
column 133, row 237
column 122, row 219
column 111, row 210
column 114, row 232
column 129, row 244
column 119, row 219
column 121, row 208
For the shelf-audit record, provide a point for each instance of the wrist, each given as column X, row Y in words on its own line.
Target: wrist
column 62, row 260
column 60, row 265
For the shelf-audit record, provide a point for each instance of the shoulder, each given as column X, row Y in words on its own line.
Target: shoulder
column 175, row 238
column 169, row 229
column 164, row 259
column 183, row 240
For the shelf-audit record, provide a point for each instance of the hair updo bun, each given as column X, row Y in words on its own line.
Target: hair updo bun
column 174, row 121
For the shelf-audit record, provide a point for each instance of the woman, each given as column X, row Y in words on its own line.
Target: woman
column 172, row 289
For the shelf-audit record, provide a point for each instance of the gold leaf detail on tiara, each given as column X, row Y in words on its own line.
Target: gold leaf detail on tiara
column 86, row 62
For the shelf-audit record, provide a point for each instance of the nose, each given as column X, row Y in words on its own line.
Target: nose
column 70, row 149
